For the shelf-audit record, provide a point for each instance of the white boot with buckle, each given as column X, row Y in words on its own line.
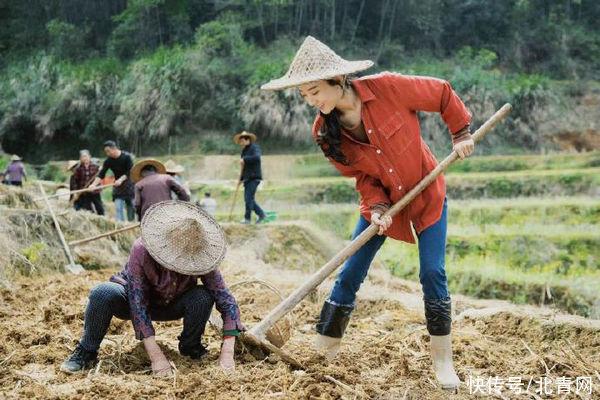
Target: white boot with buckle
column 441, row 354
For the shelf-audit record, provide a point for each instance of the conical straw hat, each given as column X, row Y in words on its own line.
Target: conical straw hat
column 245, row 134
column 173, row 168
column 136, row 170
column 182, row 237
column 315, row 61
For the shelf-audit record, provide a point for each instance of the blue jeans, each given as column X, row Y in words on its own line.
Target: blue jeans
column 432, row 274
column 251, row 204
column 121, row 205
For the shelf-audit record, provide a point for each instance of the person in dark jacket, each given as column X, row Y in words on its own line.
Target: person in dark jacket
column 120, row 163
column 251, row 174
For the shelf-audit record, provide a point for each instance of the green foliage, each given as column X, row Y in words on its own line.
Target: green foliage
column 147, row 24
column 189, row 66
column 53, row 172
column 67, row 41
column 33, row 252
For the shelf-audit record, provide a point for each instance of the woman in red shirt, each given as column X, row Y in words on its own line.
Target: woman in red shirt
column 368, row 128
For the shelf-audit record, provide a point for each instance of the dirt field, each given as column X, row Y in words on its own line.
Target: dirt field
column 385, row 354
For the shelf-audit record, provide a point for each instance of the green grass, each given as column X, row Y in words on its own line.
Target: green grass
column 511, row 249
column 489, row 277
column 554, row 183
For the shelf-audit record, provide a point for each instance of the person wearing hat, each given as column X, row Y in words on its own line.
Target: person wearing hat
column 251, row 174
column 15, row 172
column 120, row 163
column 153, row 185
column 175, row 170
column 84, row 174
column 369, row 129
column 179, row 244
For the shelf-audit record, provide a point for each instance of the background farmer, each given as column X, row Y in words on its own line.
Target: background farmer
column 369, row 129
column 15, row 172
column 153, row 185
column 179, row 244
column 176, row 171
column 120, row 163
column 84, row 174
column 251, row 174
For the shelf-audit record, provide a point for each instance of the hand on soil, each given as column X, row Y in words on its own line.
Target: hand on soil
column 226, row 358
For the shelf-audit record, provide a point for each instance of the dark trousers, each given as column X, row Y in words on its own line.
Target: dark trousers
column 250, row 187
column 86, row 201
column 15, row 183
column 110, row 299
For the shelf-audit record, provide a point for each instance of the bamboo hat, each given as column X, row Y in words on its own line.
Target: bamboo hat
column 244, row 134
column 174, row 168
column 183, row 238
column 71, row 164
column 15, row 158
column 315, row 61
column 136, row 171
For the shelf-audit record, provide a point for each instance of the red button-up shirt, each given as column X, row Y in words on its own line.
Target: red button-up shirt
column 396, row 157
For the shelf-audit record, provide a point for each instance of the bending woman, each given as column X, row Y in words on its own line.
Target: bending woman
column 368, row 128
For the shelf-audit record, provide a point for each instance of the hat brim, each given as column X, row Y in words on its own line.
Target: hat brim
column 240, row 135
column 71, row 164
column 176, row 170
column 156, row 225
column 349, row 67
column 136, row 170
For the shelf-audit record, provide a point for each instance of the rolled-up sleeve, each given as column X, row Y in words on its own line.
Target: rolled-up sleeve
column 137, row 293
column 224, row 300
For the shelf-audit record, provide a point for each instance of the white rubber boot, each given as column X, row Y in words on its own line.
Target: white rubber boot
column 328, row 346
column 441, row 354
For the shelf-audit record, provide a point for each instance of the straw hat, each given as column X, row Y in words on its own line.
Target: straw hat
column 136, row 170
column 242, row 134
column 71, row 164
column 174, row 168
column 315, row 61
column 182, row 237
column 15, row 158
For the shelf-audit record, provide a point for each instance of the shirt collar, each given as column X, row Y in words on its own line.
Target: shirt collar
column 363, row 90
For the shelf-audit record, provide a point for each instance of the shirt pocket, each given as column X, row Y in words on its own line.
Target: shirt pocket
column 396, row 134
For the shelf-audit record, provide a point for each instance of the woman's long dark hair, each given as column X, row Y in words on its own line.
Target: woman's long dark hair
column 330, row 135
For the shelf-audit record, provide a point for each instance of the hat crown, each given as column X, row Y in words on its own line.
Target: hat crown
column 182, row 237
column 313, row 57
column 186, row 236
column 315, row 61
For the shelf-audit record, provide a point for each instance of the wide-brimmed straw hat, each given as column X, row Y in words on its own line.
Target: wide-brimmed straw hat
column 182, row 237
column 15, row 158
column 315, row 61
column 174, row 168
column 136, row 170
column 245, row 134
column 71, row 164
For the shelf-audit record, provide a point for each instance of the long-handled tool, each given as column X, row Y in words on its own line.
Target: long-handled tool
column 88, row 189
column 237, row 189
column 103, row 235
column 71, row 267
column 256, row 335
